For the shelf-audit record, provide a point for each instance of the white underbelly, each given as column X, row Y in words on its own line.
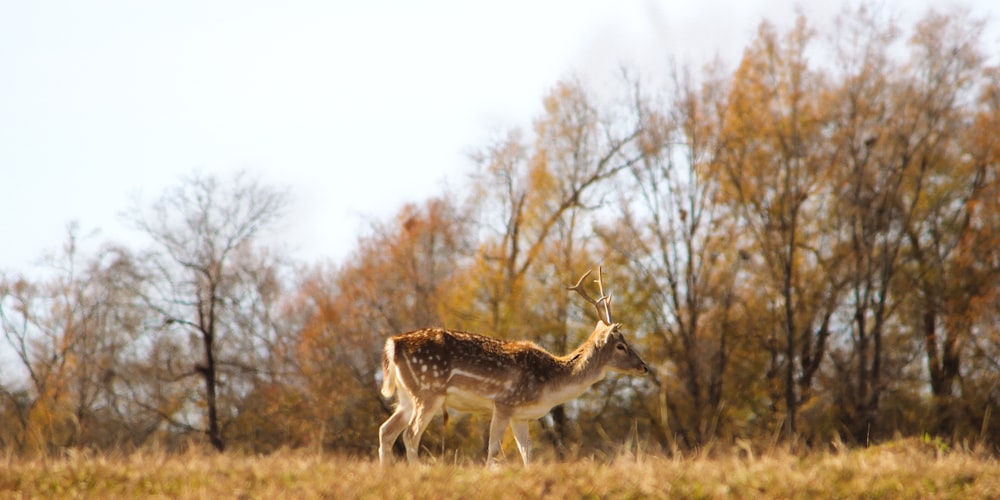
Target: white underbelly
column 531, row 412
column 466, row 401
column 476, row 402
column 549, row 399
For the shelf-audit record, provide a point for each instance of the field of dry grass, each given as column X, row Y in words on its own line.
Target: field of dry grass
column 907, row 469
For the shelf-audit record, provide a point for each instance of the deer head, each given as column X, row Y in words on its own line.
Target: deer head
column 608, row 341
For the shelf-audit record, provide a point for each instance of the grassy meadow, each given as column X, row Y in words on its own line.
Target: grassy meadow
column 904, row 469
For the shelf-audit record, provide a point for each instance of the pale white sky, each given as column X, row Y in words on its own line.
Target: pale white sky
column 356, row 106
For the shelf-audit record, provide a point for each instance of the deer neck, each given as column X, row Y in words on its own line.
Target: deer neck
column 584, row 366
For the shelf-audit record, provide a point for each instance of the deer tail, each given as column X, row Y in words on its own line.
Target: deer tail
column 389, row 369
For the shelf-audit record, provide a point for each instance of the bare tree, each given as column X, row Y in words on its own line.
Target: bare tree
column 207, row 276
column 686, row 258
column 69, row 330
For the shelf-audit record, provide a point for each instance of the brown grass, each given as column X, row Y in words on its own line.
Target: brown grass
column 905, row 469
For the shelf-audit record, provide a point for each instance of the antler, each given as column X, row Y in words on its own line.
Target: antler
column 606, row 299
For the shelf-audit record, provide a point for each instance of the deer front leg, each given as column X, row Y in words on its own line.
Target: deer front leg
column 501, row 417
column 523, row 438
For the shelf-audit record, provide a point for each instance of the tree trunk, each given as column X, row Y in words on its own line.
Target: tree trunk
column 790, row 400
column 559, row 429
column 208, row 372
column 943, row 366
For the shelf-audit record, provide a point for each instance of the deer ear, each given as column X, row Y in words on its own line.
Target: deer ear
column 601, row 334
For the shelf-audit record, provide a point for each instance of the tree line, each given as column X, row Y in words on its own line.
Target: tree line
column 805, row 248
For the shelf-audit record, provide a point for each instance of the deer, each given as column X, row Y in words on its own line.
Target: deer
column 518, row 381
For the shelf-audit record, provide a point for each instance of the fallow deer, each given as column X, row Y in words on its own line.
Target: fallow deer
column 517, row 381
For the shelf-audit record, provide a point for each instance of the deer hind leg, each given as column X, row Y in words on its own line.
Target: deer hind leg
column 392, row 427
column 424, row 411
column 523, row 438
column 498, row 425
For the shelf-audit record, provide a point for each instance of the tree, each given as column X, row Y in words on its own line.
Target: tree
column 529, row 198
column 209, row 278
column 535, row 202
column 870, row 211
column 978, row 261
column 686, row 265
column 773, row 176
column 951, row 178
column 71, row 329
column 400, row 277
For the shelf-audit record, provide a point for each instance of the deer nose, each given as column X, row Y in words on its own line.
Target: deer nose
column 643, row 369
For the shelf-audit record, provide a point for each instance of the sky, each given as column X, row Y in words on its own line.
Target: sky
column 357, row 107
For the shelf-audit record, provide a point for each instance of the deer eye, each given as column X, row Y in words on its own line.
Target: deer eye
column 621, row 347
